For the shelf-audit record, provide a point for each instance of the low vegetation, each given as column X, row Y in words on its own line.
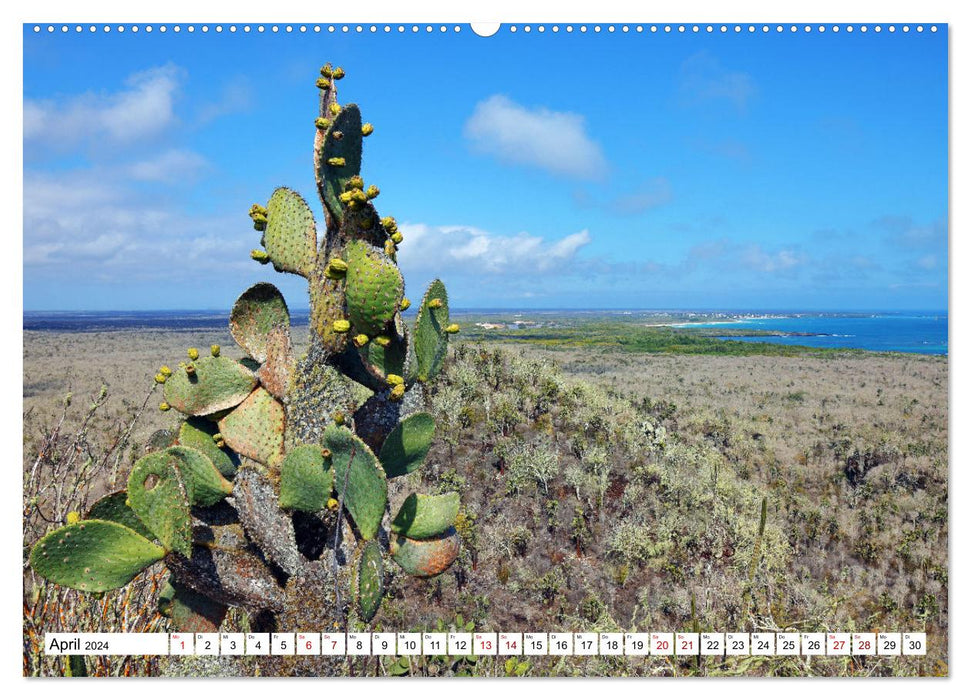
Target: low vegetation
column 606, row 491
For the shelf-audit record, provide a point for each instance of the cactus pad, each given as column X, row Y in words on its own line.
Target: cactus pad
column 384, row 359
column 197, row 433
column 374, row 288
column 290, row 237
column 345, row 153
column 431, row 340
column 258, row 310
column 113, row 507
column 158, row 496
column 204, row 485
column 275, row 373
column 93, row 555
column 358, row 478
column 159, row 440
column 305, row 479
column 255, row 428
column 421, row 517
column 370, row 581
column 216, row 384
column 405, row 448
column 424, row 558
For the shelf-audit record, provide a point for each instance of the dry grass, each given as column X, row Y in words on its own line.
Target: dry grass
column 603, row 496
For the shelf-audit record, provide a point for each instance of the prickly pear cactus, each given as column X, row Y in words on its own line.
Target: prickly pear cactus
column 274, row 496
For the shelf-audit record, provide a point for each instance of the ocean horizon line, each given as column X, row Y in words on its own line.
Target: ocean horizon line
column 519, row 309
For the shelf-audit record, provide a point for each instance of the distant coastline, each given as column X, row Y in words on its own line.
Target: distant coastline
column 904, row 331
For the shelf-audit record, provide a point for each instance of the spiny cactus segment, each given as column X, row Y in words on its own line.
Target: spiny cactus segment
column 255, row 428
column 405, row 448
column 93, row 555
column 202, row 435
column 288, row 437
column 422, row 517
column 158, row 496
column 370, row 581
column 358, row 479
column 114, row 507
column 306, row 479
column 425, row 558
column 431, row 338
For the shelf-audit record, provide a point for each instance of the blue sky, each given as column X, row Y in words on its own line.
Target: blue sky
column 766, row 171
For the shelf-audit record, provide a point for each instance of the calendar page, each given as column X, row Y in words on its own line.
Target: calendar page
column 547, row 349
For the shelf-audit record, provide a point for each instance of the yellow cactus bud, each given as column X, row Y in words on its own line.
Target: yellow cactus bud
column 372, row 192
column 327, row 70
column 389, row 248
column 260, row 256
column 337, row 135
column 361, row 340
column 214, row 350
column 383, row 340
column 339, row 418
column 335, row 108
column 367, row 129
column 160, row 378
column 358, row 196
column 397, row 393
column 322, row 123
column 333, row 504
column 73, row 517
column 259, row 222
column 355, row 183
column 323, row 84
column 336, row 162
column 342, row 325
column 396, row 237
column 346, row 197
column 405, row 303
column 453, row 328
column 190, row 369
column 435, row 303
column 336, row 269
column 165, row 371
column 395, row 380
column 163, row 406
column 338, row 73
column 220, row 444
column 193, row 353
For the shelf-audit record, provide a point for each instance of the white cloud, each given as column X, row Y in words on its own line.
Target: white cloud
column 146, row 106
column 651, row 194
column 539, row 137
column 172, row 166
column 903, row 231
column 465, row 250
column 236, row 96
column 757, row 258
column 727, row 257
column 88, row 225
column 705, row 80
